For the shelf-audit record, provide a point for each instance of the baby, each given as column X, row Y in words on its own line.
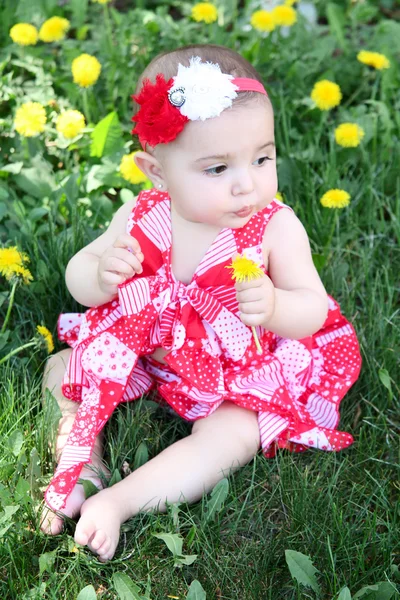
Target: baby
column 167, row 313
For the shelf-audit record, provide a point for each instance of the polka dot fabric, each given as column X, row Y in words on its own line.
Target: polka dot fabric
column 295, row 386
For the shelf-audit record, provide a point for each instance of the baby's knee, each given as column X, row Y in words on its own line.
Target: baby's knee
column 55, row 368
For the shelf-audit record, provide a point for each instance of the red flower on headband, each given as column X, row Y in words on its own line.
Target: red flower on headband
column 157, row 120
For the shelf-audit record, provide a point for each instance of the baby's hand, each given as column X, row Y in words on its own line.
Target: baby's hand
column 256, row 300
column 118, row 263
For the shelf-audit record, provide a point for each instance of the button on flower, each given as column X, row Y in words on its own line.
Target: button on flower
column 373, row 59
column 326, row 94
column 335, row 199
column 130, row 171
column 24, row 34
column 70, row 123
column 30, row 119
column 204, row 11
column 54, row 29
column 85, row 70
column 349, row 135
column 262, row 20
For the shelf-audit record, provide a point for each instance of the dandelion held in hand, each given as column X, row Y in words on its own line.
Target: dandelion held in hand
column 245, row 269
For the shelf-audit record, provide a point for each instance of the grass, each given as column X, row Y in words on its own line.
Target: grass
column 340, row 509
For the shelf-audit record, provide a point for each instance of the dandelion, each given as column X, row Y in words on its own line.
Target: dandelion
column 262, row 20
column 54, row 29
column 42, row 339
column 279, row 196
column 24, row 34
column 130, row 171
column 204, row 11
column 245, row 269
column 70, row 123
column 47, row 338
column 373, row 59
column 326, row 94
column 12, row 267
column 101, row 1
column 85, row 70
column 349, row 135
column 285, row 16
column 30, row 119
column 335, row 199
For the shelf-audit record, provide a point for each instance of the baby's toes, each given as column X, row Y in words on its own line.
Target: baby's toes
column 98, row 540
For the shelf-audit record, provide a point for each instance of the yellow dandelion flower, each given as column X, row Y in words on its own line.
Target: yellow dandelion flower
column 279, row 196
column 9, row 257
column 285, row 16
column 373, row 59
column 54, row 29
column 262, row 20
column 20, row 273
column 30, row 119
column 244, row 269
column 85, row 70
column 130, row 171
column 335, row 199
column 204, row 11
column 70, row 123
column 101, row 1
column 47, row 337
column 24, row 34
column 326, row 94
column 349, row 135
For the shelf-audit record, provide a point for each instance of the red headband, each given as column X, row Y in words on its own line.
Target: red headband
column 198, row 92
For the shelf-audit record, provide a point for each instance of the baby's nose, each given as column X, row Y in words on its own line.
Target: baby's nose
column 243, row 184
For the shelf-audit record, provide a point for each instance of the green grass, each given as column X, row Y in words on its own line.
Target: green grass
column 340, row 509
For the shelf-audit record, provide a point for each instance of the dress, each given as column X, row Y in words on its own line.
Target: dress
column 295, row 386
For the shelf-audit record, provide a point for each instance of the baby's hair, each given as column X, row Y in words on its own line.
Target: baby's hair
column 230, row 62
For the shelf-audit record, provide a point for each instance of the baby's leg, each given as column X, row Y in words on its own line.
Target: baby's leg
column 218, row 444
column 52, row 379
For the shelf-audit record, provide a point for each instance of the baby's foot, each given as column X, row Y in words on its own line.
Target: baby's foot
column 99, row 525
column 52, row 523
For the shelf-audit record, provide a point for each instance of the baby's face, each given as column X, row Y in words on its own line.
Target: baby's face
column 221, row 171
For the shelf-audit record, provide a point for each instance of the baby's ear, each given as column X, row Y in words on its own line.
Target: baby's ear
column 150, row 166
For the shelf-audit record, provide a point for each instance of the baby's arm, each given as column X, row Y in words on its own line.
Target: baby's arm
column 292, row 301
column 93, row 274
column 301, row 302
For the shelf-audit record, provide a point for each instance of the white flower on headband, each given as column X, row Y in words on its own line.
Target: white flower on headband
column 201, row 91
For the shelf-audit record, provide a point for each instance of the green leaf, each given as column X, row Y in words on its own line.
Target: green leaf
column 46, row 561
column 141, row 456
column 218, row 497
column 4, row 210
column 302, row 569
column 337, row 20
column 107, row 136
column 186, row 559
column 101, row 175
column 115, row 478
column 173, row 541
column 344, row 594
column 383, row 590
column 125, row 587
column 89, row 488
column 196, row 591
column 6, row 518
column 34, row 472
column 37, row 213
column 15, row 442
column 36, row 182
column 14, row 168
column 385, row 379
column 88, row 593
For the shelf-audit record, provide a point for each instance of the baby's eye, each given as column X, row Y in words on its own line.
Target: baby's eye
column 261, row 161
column 215, row 170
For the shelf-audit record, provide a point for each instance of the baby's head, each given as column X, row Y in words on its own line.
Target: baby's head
column 218, row 170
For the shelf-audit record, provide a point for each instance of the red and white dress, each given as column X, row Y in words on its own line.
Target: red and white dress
column 295, row 386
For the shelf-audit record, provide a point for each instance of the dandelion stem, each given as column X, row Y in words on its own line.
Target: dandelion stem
column 256, row 340
column 86, row 106
column 16, row 350
column 10, row 305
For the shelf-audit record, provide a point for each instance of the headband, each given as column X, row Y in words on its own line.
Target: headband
column 198, row 92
